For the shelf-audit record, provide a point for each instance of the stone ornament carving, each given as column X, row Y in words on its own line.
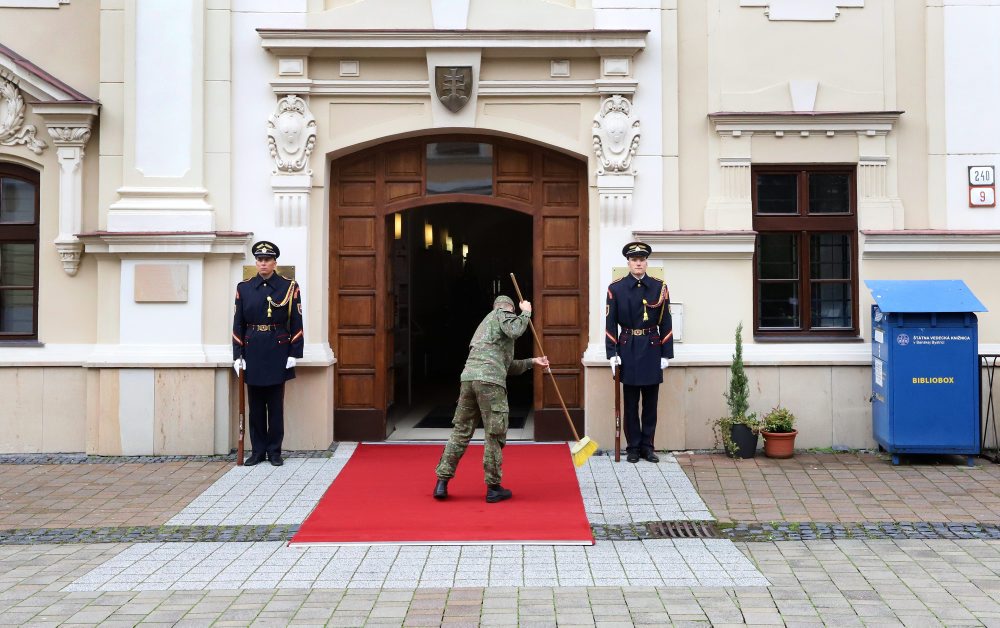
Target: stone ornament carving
column 13, row 131
column 616, row 136
column 70, row 135
column 291, row 136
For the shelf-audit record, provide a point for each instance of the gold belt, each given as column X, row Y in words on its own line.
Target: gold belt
column 640, row 332
column 263, row 327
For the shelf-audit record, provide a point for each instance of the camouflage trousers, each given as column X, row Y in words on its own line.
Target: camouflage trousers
column 477, row 399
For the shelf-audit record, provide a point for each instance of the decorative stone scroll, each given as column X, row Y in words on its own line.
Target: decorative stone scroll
column 616, row 135
column 13, row 131
column 616, row 140
column 291, row 136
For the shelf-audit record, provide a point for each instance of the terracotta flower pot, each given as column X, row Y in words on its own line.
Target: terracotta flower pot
column 779, row 444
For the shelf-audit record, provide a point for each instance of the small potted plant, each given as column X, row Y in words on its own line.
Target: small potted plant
column 779, row 433
column 738, row 430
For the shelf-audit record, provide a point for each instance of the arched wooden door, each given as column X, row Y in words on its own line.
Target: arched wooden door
column 371, row 184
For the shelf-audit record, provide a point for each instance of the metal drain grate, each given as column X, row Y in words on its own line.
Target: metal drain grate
column 682, row 530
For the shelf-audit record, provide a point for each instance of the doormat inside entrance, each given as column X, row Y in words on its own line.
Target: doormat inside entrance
column 383, row 496
column 441, row 416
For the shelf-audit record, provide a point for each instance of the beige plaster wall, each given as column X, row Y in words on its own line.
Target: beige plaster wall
column 830, row 402
column 184, row 411
column 845, row 56
column 64, row 42
column 308, row 410
column 717, row 294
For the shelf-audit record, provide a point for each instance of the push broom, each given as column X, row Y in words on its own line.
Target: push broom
column 584, row 447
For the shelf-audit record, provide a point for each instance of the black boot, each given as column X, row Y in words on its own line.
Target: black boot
column 651, row 456
column 441, row 489
column 275, row 458
column 496, row 493
column 255, row 458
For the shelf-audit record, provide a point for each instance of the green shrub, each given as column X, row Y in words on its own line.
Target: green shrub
column 779, row 420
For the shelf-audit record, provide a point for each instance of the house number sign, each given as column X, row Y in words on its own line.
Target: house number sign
column 982, row 186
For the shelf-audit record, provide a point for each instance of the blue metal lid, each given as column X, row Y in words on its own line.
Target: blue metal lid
column 938, row 295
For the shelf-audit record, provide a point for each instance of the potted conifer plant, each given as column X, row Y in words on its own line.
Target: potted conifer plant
column 738, row 430
column 779, row 433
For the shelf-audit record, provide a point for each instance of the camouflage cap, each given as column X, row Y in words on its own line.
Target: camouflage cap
column 502, row 300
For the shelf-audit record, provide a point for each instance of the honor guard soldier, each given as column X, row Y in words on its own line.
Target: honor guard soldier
column 267, row 339
column 639, row 339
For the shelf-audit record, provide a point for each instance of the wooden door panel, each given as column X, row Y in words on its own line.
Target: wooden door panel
column 400, row 190
column 561, row 273
column 556, row 166
column 569, row 387
column 361, row 167
column 517, row 190
column 563, row 351
column 356, row 351
column 561, row 194
column 561, row 311
column 357, row 193
column 404, row 162
column 357, row 311
column 356, row 272
column 357, row 233
column 357, row 390
column 561, row 234
column 512, row 162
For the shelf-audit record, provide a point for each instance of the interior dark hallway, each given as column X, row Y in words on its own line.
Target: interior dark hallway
column 447, row 264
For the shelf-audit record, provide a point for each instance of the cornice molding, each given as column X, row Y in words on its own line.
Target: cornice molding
column 36, row 82
column 699, row 244
column 930, row 244
column 599, row 42
column 232, row 243
column 829, row 123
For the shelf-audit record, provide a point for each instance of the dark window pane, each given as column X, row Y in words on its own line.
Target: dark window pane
column 779, row 305
column 17, row 265
column 16, row 311
column 17, row 201
column 459, row 168
column 777, row 256
column 777, row 194
column 829, row 193
column 831, row 305
column 830, row 256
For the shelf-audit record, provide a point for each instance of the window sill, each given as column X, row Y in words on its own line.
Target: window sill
column 33, row 344
column 796, row 338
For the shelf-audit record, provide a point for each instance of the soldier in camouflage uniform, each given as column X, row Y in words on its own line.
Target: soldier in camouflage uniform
column 484, row 393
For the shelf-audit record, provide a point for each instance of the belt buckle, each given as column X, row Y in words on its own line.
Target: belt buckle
column 263, row 328
column 638, row 332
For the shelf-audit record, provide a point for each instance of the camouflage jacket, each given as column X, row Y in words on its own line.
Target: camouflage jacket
column 491, row 351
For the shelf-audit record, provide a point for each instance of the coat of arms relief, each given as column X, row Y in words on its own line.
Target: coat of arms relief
column 453, row 86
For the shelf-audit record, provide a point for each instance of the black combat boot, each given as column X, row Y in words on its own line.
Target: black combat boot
column 441, row 489
column 651, row 456
column 275, row 458
column 255, row 458
column 496, row 493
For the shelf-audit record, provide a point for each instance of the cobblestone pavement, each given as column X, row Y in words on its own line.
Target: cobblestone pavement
column 844, row 539
column 845, row 487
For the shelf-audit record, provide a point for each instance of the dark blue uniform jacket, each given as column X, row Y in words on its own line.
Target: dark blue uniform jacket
column 266, row 342
column 639, row 342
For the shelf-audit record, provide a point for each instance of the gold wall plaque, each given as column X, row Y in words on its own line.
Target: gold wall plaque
column 617, row 272
column 284, row 271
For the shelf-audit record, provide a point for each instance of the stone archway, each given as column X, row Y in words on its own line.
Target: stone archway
column 371, row 184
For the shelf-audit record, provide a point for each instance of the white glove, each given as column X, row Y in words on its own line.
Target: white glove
column 615, row 363
column 290, row 364
column 239, row 365
column 664, row 363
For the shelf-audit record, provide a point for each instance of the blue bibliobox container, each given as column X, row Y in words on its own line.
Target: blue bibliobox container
column 925, row 367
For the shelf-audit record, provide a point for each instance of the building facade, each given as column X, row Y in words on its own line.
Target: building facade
column 409, row 155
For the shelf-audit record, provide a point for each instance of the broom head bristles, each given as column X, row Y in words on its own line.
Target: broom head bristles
column 583, row 450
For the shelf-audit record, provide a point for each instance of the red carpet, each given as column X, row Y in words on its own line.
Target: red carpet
column 383, row 495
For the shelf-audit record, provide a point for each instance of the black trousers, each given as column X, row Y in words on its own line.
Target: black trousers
column 267, row 418
column 639, row 429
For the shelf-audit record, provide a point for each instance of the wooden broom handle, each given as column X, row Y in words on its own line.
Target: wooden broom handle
column 542, row 351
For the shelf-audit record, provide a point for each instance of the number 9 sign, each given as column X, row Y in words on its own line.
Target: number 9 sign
column 982, row 197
